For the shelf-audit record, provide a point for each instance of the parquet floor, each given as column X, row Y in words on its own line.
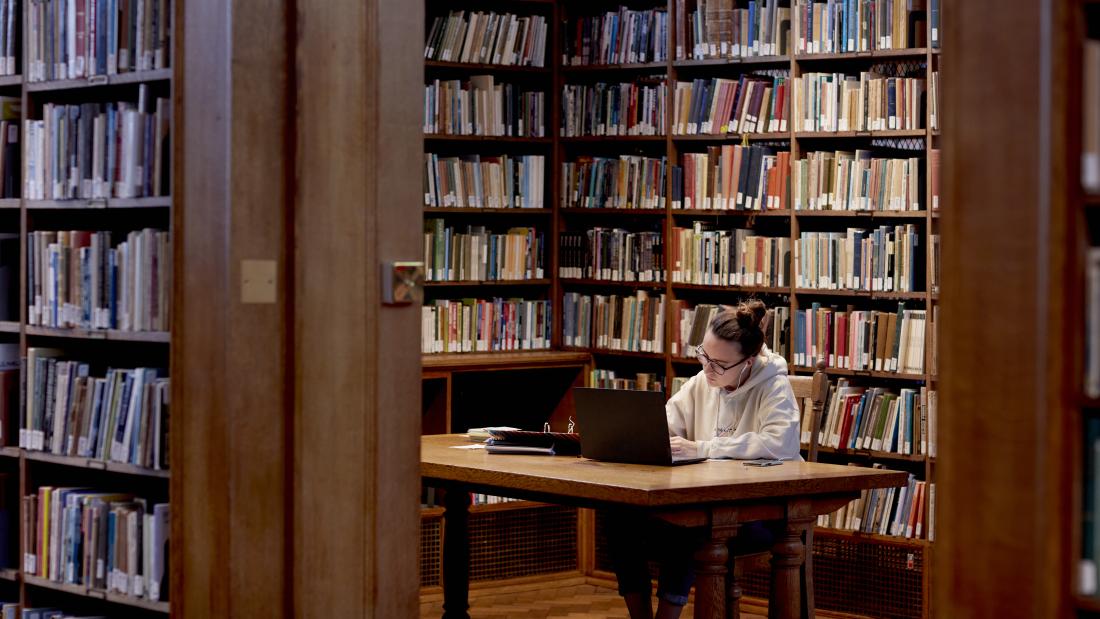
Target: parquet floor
column 566, row 600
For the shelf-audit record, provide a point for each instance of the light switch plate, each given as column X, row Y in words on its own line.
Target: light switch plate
column 402, row 282
column 258, row 281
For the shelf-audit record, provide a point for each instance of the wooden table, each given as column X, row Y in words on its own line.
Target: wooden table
column 719, row 495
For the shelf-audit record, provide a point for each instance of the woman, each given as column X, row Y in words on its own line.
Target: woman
column 740, row 405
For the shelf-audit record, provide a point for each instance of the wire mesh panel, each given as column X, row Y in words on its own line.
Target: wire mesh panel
column 859, row 577
column 506, row 544
column 430, row 545
column 522, row 542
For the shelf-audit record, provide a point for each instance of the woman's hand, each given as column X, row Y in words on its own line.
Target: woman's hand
column 683, row 448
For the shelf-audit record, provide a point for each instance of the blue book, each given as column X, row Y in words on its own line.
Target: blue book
column 753, row 30
column 845, row 19
column 934, row 17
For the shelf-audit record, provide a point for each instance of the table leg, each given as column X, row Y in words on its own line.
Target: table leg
column 808, row 575
column 710, row 579
column 787, row 557
column 456, row 555
column 733, row 585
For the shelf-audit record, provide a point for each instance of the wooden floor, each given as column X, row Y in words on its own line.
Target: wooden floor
column 572, row 599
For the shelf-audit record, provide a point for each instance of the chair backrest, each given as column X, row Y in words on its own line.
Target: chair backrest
column 816, row 388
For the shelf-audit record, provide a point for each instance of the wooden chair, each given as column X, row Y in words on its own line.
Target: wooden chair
column 815, row 387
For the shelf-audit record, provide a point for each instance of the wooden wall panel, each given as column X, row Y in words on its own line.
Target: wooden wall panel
column 1002, row 495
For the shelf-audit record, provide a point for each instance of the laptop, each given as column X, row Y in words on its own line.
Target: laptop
column 618, row 425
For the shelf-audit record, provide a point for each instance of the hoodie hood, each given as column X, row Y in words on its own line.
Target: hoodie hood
column 766, row 367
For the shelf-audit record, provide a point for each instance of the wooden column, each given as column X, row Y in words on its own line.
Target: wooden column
column 357, row 406
column 296, row 406
column 230, row 393
column 1002, row 497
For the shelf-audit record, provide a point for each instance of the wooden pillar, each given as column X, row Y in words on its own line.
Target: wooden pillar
column 357, row 409
column 295, row 431
column 1003, row 496
column 230, row 395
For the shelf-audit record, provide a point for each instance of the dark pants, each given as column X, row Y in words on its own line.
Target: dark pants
column 633, row 539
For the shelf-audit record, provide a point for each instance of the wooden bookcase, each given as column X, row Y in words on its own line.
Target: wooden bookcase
column 1084, row 219
column 786, row 223
column 25, row 469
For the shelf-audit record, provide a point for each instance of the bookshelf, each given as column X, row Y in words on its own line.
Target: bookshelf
column 663, row 143
column 117, row 211
column 1082, row 199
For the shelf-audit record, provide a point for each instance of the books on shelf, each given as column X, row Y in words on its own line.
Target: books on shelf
column 11, row 25
column 627, row 181
column 482, row 106
column 877, row 419
column 76, row 279
column 720, row 106
column 856, row 181
column 10, row 249
column 430, row 498
column 676, row 384
column 612, row 254
column 716, row 29
column 1092, row 322
column 691, row 323
column 704, row 255
column 863, row 340
column 1090, row 109
column 934, row 22
column 10, row 376
column 934, row 176
column 871, row 101
column 488, row 38
column 111, row 542
column 934, row 101
column 11, row 114
column 485, row 325
column 732, row 177
column 1089, row 578
column 897, row 512
column 884, row 259
column 477, row 254
column 626, row 323
column 838, row 26
column 934, row 271
column 122, row 416
column 623, row 36
column 603, row 109
column 75, row 39
column 478, row 498
column 479, row 181
column 99, row 150
column 641, row 381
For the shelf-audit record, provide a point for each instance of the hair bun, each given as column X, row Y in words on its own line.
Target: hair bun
column 750, row 314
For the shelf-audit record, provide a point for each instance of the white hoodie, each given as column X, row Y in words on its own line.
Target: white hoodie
column 758, row 420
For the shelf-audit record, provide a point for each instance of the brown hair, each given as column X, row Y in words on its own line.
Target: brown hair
column 744, row 323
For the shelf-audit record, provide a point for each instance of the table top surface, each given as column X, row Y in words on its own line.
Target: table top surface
column 706, row 482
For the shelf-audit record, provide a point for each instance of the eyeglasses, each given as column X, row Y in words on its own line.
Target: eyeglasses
column 715, row 367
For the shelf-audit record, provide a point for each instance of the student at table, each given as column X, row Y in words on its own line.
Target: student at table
column 740, row 405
